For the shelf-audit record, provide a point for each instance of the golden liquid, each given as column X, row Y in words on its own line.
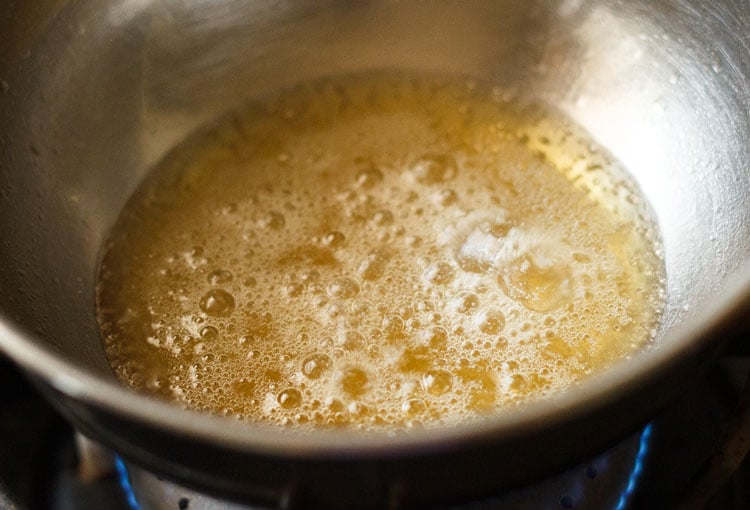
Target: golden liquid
column 378, row 252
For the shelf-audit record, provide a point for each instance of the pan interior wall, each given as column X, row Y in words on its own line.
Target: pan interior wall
column 100, row 92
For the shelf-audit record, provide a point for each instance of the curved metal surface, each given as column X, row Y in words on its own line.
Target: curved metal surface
column 93, row 94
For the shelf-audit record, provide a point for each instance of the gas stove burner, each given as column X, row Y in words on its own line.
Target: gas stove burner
column 606, row 482
column 42, row 461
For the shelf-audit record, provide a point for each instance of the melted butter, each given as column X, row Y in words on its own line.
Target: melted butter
column 378, row 252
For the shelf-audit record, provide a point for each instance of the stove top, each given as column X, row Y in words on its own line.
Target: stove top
column 40, row 468
column 607, row 481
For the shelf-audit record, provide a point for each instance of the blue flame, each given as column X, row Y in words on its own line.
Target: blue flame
column 640, row 459
column 122, row 475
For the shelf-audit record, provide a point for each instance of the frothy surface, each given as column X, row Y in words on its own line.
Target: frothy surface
column 378, row 252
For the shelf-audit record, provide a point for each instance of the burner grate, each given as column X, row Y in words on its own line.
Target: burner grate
column 40, row 462
column 608, row 481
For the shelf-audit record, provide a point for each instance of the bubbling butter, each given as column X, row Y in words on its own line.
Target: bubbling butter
column 378, row 252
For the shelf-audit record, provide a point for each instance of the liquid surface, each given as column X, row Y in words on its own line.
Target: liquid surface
column 378, row 252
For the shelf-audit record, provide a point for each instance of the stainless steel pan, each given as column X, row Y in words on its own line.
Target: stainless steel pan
column 92, row 94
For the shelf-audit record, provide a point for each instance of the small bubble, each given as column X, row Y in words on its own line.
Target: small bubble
column 491, row 322
column 439, row 273
column 301, row 419
column 496, row 229
column 309, row 276
column 315, row 365
column 343, row 288
column 354, row 381
column 219, row 277
column 465, row 302
column 382, row 218
column 541, row 283
column 316, row 288
column 445, row 198
column 413, row 407
column 333, row 239
column 335, row 310
column 416, row 359
column 209, row 333
column 393, row 326
column 294, row 289
column 413, row 241
column 437, row 382
column 273, row 220
column 372, row 266
column 353, row 341
column 518, row 383
column 436, row 337
column 229, row 209
column 361, row 307
column 358, row 409
column 369, row 177
column 434, row 168
column 334, row 405
column 273, row 375
column 289, row 398
column 413, row 324
column 217, row 302
column 425, row 306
